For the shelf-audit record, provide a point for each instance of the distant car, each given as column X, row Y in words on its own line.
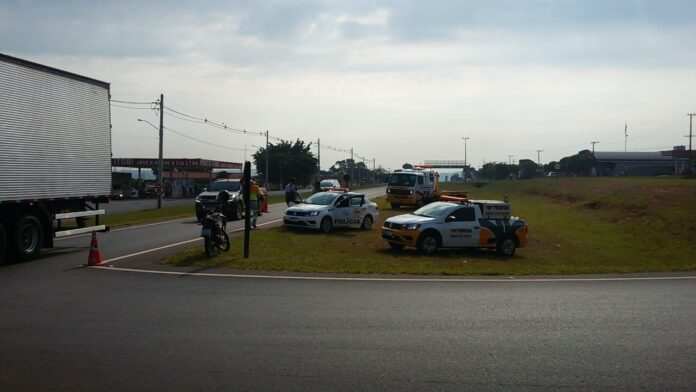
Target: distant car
column 117, row 194
column 552, row 174
column 233, row 207
column 330, row 184
column 326, row 210
column 134, row 193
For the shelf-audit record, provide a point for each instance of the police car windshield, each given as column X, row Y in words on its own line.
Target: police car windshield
column 326, row 184
column 434, row 210
column 323, row 199
column 402, row 179
column 232, row 186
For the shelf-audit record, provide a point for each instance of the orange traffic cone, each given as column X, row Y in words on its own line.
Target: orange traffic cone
column 94, row 254
column 264, row 204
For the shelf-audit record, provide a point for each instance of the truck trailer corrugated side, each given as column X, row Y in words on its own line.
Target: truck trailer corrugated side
column 55, row 154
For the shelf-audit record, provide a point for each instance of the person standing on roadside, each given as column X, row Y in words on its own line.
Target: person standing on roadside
column 254, row 197
column 290, row 191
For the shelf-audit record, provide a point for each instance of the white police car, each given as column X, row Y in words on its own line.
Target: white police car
column 326, row 210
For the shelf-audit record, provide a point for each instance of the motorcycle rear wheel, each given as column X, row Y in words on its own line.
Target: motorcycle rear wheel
column 210, row 249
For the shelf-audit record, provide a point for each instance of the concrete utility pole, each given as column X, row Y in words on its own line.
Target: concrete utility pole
column 593, row 143
column 160, row 164
column 539, row 157
column 510, row 159
column 319, row 156
column 625, row 137
column 351, row 167
column 267, row 153
column 691, row 137
column 465, row 165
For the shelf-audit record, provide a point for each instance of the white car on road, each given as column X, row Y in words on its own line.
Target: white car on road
column 326, row 210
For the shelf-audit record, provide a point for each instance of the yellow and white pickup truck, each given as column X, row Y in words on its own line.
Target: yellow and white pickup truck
column 471, row 223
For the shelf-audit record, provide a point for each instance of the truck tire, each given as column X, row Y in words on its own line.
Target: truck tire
column 506, row 247
column 3, row 243
column 395, row 206
column 28, row 238
column 428, row 243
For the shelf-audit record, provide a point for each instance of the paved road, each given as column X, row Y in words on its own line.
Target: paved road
column 85, row 329
column 69, row 328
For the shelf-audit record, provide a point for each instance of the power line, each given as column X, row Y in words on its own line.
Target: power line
column 130, row 107
column 133, row 102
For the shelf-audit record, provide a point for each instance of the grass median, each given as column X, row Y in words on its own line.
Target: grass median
column 576, row 226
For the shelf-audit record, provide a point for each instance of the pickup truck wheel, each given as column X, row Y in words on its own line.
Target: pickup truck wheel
column 326, row 224
column 506, row 247
column 3, row 243
column 395, row 206
column 427, row 244
column 29, row 238
column 395, row 245
column 367, row 223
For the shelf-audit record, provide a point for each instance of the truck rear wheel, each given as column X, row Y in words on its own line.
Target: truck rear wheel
column 3, row 243
column 506, row 247
column 28, row 239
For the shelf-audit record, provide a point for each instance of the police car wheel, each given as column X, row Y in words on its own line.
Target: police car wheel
column 427, row 244
column 326, row 225
column 367, row 223
column 507, row 247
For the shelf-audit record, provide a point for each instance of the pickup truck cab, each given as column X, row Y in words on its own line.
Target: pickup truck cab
column 470, row 224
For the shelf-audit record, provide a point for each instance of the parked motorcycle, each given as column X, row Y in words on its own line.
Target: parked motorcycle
column 214, row 233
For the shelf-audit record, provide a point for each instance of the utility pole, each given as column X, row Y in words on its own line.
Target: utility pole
column 691, row 136
column 593, row 143
column 160, row 164
column 541, row 168
column 510, row 159
column 352, row 166
column 267, row 152
column 319, row 156
column 466, row 173
column 625, row 137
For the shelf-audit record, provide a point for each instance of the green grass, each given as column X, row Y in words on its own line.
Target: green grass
column 148, row 216
column 576, row 226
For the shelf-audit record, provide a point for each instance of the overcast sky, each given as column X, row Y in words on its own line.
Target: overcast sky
column 399, row 81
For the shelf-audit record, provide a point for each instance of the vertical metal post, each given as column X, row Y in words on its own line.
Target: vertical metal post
column 246, row 187
column 160, row 164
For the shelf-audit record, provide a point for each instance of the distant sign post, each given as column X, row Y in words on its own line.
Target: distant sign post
column 557, row 167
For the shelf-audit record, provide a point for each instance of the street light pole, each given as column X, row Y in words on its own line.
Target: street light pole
column 466, row 169
column 267, row 153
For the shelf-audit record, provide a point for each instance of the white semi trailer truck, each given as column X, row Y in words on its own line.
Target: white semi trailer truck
column 55, row 155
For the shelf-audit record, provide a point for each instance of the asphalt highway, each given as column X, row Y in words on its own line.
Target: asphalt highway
column 65, row 327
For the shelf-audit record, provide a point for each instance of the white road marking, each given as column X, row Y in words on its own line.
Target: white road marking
column 427, row 280
column 178, row 243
